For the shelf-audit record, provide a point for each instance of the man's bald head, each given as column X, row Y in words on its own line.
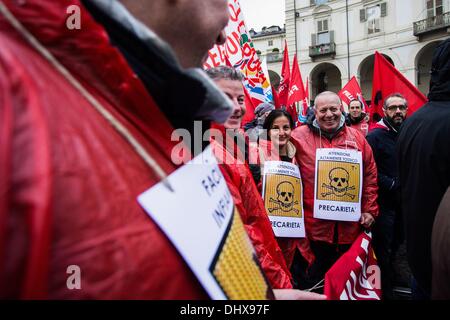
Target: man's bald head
column 328, row 95
column 190, row 27
column 327, row 108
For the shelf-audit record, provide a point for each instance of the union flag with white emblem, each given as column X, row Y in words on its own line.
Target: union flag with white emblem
column 352, row 91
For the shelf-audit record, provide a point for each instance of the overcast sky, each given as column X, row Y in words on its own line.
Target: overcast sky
column 260, row 13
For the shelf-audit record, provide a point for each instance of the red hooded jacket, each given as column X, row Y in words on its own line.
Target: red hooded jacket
column 307, row 142
column 69, row 181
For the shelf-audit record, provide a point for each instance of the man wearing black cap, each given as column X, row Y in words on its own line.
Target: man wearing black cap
column 255, row 128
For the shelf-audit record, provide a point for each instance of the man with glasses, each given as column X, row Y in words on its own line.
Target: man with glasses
column 387, row 234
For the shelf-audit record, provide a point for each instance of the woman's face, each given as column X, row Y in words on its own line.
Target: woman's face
column 280, row 131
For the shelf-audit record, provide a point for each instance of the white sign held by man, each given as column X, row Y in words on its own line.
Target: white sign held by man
column 338, row 184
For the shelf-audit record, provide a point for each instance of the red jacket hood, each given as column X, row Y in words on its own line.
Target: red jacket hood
column 380, row 125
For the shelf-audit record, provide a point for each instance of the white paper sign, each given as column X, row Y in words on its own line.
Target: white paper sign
column 283, row 198
column 338, row 184
column 200, row 220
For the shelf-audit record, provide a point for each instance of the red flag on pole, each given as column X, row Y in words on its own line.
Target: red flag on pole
column 297, row 93
column 276, row 98
column 250, row 108
column 352, row 91
column 356, row 275
column 292, row 110
column 283, row 90
column 296, row 87
column 387, row 80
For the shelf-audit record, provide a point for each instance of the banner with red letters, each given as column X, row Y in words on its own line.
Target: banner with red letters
column 239, row 51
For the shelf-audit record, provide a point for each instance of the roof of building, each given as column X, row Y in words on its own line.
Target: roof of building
column 267, row 31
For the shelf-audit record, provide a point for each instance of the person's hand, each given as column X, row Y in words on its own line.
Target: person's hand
column 294, row 294
column 366, row 220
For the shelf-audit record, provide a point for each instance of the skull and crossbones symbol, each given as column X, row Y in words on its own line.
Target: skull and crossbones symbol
column 339, row 183
column 285, row 199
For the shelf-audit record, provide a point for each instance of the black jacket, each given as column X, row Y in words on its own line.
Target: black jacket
column 423, row 150
column 382, row 139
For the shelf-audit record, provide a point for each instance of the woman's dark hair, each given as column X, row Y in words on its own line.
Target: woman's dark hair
column 273, row 115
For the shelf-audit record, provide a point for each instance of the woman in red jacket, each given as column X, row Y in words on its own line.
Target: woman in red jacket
column 278, row 147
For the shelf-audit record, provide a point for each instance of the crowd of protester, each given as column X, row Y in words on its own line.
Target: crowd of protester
column 86, row 123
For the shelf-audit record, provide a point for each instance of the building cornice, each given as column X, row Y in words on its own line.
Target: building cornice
column 267, row 36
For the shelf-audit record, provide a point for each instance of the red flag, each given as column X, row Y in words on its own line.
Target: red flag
column 276, row 98
column 356, row 275
column 387, row 80
column 250, row 108
column 292, row 110
column 283, row 90
column 297, row 93
column 352, row 91
column 296, row 87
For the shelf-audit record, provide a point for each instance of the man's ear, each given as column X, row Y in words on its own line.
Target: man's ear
column 384, row 112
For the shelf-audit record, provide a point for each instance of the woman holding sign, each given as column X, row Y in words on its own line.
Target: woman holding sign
column 278, row 178
column 274, row 145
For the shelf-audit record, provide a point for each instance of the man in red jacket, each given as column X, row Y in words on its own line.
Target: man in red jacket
column 69, row 176
column 330, row 238
column 357, row 118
